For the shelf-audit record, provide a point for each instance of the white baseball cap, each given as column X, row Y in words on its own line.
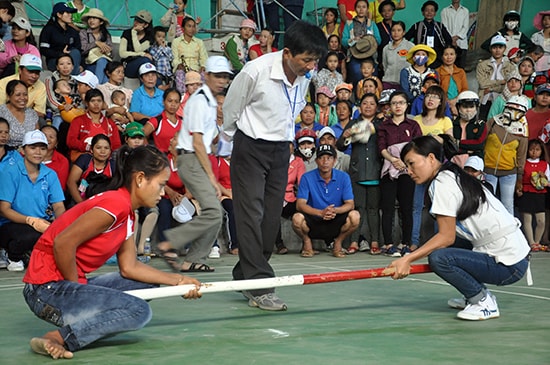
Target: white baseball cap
column 475, row 162
column 31, row 62
column 146, row 68
column 326, row 130
column 498, row 40
column 218, row 64
column 87, row 78
column 22, row 23
column 183, row 212
column 34, row 137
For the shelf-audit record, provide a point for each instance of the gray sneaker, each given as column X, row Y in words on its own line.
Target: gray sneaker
column 268, row 302
column 364, row 246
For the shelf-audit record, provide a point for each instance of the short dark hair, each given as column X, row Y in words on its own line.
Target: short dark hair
column 334, row 11
column 400, row 23
column 186, row 20
column 432, row 3
column 159, row 28
column 9, row 7
column 10, row 87
column 92, row 93
column 304, row 37
column 385, row 3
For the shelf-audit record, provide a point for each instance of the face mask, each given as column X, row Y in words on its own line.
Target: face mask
column 467, row 115
column 512, row 115
column 420, row 60
column 306, row 152
column 511, row 24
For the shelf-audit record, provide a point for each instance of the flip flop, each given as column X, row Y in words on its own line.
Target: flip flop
column 198, row 267
column 171, row 258
column 338, row 254
column 307, row 253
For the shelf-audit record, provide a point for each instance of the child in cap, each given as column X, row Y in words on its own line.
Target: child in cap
column 515, row 55
column 236, row 48
column 532, row 197
column 325, row 113
column 193, row 80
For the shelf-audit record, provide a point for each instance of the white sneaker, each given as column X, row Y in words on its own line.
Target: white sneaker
column 16, row 265
column 486, row 308
column 3, row 259
column 214, row 253
column 457, row 303
column 364, row 246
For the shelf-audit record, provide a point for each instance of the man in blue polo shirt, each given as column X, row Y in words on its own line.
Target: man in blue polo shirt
column 147, row 100
column 325, row 205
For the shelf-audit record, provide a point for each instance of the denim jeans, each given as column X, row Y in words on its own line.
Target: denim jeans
column 98, row 68
column 467, row 270
column 507, row 186
column 86, row 313
column 418, row 206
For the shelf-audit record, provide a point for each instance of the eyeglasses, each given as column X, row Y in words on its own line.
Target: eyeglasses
column 398, row 103
column 433, row 97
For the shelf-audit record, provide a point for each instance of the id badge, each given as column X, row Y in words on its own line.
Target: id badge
column 430, row 41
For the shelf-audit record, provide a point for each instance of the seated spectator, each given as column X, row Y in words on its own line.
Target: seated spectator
column 135, row 42
column 162, row 56
column 305, row 147
column 542, row 38
column 236, row 49
column 296, row 169
column 189, row 53
column 30, row 67
column 115, row 74
column 97, row 45
column 70, row 103
column 513, row 87
column 147, row 99
column 418, row 102
column 368, row 68
column 193, row 81
column 167, row 124
column 526, row 69
column 8, row 155
column 334, row 45
column 491, row 74
column 58, row 37
column 85, row 127
column 7, row 12
column 453, row 78
column 78, row 21
column 325, row 113
column 20, row 117
column 331, row 26
column 515, row 55
column 430, row 32
column 118, row 102
column 265, row 45
column 377, row 10
column 53, row 159
column 394, row 56
column 64, row 66
column 30, row 198
column 22, row 42
column 411, row 78
column 325, row 205
column 307, row 120
column 87, row 166
column 510, row 32
column 328, row 76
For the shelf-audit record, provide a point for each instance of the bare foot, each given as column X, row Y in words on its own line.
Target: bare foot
column 48, row 346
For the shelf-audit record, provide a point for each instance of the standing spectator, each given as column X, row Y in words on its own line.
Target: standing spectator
column 430, row 32
column 456, row 18
column 97, row 45
column 538, row 116
column 468, row 129
column 195, row 171
column 394, row 56
column 30, row 198
column 504, row 166
column 334, row 45
column 510, row 32
column 513, row 87
column 491, row 74
column 173, row 19
column 393, row 134
column 361, row 36
column 30, row 67
column 376, row 12
column 135, row 42
column 22, row 42
column 346, row 10
column 236, row 49
column 387, row 10
column 542, row 38
column 78, row 21
column 53, row 159
column 412, row 78
column 147, row 99
column 266, row 39
column 21, row 118
column 329, row 76
column 325, row 113
column 364, row 171
column 58, row 37
column 453, row 78
column 261, row 123
column 344, row 111
column 331, row 22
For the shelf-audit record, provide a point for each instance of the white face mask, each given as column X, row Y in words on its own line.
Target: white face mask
column 306, row 152
column 511, row 24
column 467, row 114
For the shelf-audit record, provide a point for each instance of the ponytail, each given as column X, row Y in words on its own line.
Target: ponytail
column 147, row 159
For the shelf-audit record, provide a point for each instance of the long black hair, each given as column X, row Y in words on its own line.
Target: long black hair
column 147, row 159
column 472, row 190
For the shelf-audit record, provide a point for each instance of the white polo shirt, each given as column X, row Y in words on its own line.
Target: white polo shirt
column 199, row 116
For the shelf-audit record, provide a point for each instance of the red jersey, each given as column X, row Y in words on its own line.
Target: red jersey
column 174, row 181
column 540, row 166
column 223, row 173
column 163, row 130
column 82, row 130
column 258, row 49
column 60, row 165
column 91, row 254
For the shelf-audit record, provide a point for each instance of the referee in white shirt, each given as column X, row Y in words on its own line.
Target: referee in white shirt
column 259, row 112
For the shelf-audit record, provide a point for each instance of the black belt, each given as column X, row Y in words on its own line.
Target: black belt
column 181, row 151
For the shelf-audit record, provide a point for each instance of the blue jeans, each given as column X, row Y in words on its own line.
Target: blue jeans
column 98, row 68
column 467, row 271
column 86, row 313
column 418, row 206
column 507, row 186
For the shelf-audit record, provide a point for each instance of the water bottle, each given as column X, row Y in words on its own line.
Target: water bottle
column 147, row 250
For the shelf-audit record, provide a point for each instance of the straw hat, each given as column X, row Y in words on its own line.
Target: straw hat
column 365, row 47
column 422, row 47
column 95, row 13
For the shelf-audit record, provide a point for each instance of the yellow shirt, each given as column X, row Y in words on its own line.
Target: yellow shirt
column 194, row 53
column 37, row 94
column 442, row 126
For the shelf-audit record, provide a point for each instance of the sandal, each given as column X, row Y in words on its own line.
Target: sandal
column 282, row 250
column 536, row 247
column 375, row 251
column 338, row 253
column 307, row 253
column 170, row 256
column 198, row 267
column 351, row 250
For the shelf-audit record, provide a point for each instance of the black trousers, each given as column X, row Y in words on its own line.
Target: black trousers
column 259, row 172
column 18, row 240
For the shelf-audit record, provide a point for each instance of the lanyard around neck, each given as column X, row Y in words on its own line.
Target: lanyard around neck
column 292, row 104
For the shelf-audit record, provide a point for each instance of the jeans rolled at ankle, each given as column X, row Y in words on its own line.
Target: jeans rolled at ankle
column 469, row 271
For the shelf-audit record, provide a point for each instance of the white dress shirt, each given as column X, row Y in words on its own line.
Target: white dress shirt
column 457, row 22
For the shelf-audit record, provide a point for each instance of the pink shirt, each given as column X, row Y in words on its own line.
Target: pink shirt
column 11, row 51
